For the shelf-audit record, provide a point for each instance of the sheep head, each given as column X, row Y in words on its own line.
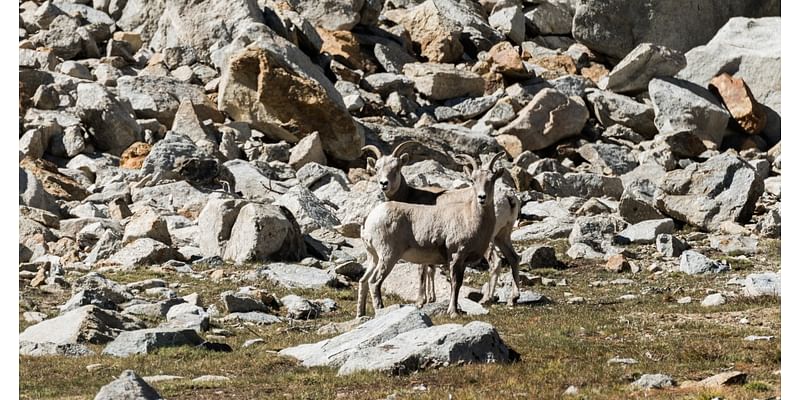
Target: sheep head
column 483, row 178
column 387, row 167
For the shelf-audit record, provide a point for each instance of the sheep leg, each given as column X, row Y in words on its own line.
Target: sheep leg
column 503, row 242
column 430, row 271
column 385, row 266
column 363, row 283
column 456, row 279
column 421, row 298
column 494, row 272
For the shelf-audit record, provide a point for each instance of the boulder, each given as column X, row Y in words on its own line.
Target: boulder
column 392, row 57
column 548, row 228
column 308, row 149
column 739, row 101
column 262, row 232
column 595, row 231
column 749, row 49
column 734, row 245
column 95, row 297
column 187, row 123
column 438, row 36
column 250, row 181
column 608, row 158
column 317, row 106
column 110, row 121
column 509, row 21
column 669, row 245
column 214, row 225
column 681, row 106
column 178, row 196
column 235, row 302
column 616, row 109
column 147, row 223
column 332, row 15
column 549, row 117
column 61, row 37
column 300, row 308
column 337, row 350
column 615, row 27
column 724, row 188
column 87, row 324
column 142, row 252
column 551, row 17
column 310, row 211
column 645, row 62
column 159, row 97
column 539, row 256
column 128, row 386
column 653, row 381
column 443, row 81
column 506, row 60
column 187, row 316
column 583, row 185
column 144, row 341
column 645, row 231
column 762, row 284
column 32, row 193
column 295, row 276
column 694, row 263
column 475, row 342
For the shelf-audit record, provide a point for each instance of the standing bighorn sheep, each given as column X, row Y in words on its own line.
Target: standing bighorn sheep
column 387, row 169
column 450, row 233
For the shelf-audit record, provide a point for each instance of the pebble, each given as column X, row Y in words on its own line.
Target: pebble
column 576, row 300
column 252, row 342
column 211, row 378
column 685, row 300
column 94, row 367
column 753, row 338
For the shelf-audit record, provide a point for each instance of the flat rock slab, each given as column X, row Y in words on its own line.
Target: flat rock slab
column 293, row 276
column 384, row 327
column 442, row 345
column 645, row 231
column 763, row 284
column 694, row 263
column 254, row 317
column 87, row 324
column 143, row 341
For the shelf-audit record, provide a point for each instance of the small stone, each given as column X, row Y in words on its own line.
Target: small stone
column 252, row 342
column 685, row 300
column 618, row 360
column 653, row 381
column 670, row 246
column 128, row 386
column 210, row 379
column 571, row 391
column 754, row 338
column 94, row 367
column 716, row 299
column 576, row 300
column 618, row 263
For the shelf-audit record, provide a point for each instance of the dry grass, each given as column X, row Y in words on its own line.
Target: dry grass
column 561, row 345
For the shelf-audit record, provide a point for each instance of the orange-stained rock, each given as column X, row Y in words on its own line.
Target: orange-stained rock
column 343, row 46
column 53, row 181
column 739, row 101
column 618, row 263
column 506, row 60
column 595, row 72
column 556, row 65
column 133, row 156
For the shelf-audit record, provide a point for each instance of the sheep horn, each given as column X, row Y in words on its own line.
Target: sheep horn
column 469, row 159
column 495, row 158
column 400, row 147
column 374, row 150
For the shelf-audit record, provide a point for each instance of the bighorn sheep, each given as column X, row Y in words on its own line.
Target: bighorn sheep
column 387, row 168
column 451, row 233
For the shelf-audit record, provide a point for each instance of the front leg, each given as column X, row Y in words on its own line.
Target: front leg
column 456, row 279
column 503, row 241
column 494, row 272
column 430, row 287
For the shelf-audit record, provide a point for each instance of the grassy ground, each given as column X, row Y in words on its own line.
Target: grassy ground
column 561, row 344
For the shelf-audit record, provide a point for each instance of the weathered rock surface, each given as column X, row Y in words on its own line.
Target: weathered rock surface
column 724, row 188
column 681, row 106
column 645, row 231
column 263, row 232
column 643, row 63
column 739, row 102
column 110, row 122
column 763, row 284
column 694, row 263
column 549, row 117
column 129, row 386
column 144, row 341
column 292, row 276
column 616, row 109
column 443, row 81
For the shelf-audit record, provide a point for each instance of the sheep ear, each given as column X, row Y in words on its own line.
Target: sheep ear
column 498, row 173
column 404, row 159
column 370, row 165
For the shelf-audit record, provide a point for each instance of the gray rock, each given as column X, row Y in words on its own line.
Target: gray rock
column 466, row 306
column 392, row 57
column 187, row 316
column 75, row 69
column 94, row 281
column 385, row 83
column 645, row 231
column 52, row 349
column 45, row 60
column 596, row 231
column 616, row 109
column 723, row 188
column 295, row 276
column 608, row 158
column 734, row 245
column 539, row 256
column 300, row 308
column 143, row 252
column 253, row 317
column 32, row 193
column 770, row 225
column 178, row 196
column 332, row 15
column 531, row 129
column 95, row 297
column 548, row 228
column 335, row 351
column 262, row 232
column 583, row 251
column 308, row 149
column 159, row 97
column 443, row 81
column 250, row 181
column 128, row 386
column 144, row 341
column 214, row 225
column 578, row 185
column 476, row 342
column 463, row 109
column 552, row 17
column 670, row 246
column 694, row 263
column 637, row 202
column 68, row 144
column 236, row 302
column 60, row 37
column 763, row 284
column 110, row 121
column 712, row 300
column 571, row 85
column 682, row 106
column 147, row 223
column 152, row 310
column 310, row 211
column 87, row 324
column 509, row 21
column 653, row 381
column 645, row 62
column 616, row 27
column 748, row 49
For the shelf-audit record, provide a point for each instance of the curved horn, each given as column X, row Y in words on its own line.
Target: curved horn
column 400, row 147
column 495, row 158
column 469, row 159
column 374, row 150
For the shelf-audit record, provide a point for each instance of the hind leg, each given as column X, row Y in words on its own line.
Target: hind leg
column 503, row 243
column 494, row 272
column 385, row 265
column 363, row 283
column 421, row 297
